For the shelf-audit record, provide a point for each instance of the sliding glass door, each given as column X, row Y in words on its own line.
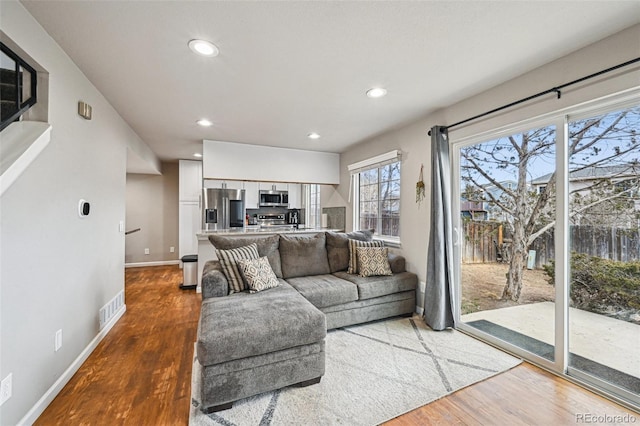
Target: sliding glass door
column 549, row 242
column 604, row 220
column 507, row 202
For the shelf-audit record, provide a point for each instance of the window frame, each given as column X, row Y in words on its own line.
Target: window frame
column 22, row 105
column 309, row 192
column 391, row 240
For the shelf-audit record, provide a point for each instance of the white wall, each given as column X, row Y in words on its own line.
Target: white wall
column 152, row 206
column 236, row 161
column 414, row 142
column 58, row 270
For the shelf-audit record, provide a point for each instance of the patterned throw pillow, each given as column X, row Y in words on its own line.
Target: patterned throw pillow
column 258, row 274
column 228, row 260
column 373, row 261
column 353, row 259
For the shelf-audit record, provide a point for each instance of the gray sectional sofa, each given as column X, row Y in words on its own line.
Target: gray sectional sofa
column 249, row 343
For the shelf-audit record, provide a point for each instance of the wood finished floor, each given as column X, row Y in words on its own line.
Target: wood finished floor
column 140, row 374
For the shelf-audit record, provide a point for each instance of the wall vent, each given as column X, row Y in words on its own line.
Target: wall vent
column 108, row 311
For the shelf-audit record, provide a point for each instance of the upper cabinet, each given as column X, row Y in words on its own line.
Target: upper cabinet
column 251, row 195
column 268, row 186
column 190, row 180
column 229, row 184
column 295, row 196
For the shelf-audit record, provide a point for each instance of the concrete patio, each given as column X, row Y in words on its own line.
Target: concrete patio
column 605, row 340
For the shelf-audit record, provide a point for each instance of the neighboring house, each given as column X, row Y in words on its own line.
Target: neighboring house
column 590, row 182
column 473, row 210
column 485, row 210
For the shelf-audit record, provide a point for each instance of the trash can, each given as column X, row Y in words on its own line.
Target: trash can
column 189, row 272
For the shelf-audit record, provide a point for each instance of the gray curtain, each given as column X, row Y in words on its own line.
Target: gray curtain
column 439, row 293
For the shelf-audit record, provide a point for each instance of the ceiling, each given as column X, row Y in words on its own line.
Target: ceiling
column 288, row 68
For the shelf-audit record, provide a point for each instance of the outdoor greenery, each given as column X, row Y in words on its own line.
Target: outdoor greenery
column 602, row 285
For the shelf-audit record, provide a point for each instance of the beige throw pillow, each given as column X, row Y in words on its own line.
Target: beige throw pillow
column 373, row 261
column 258, row 274
column 353, row 259
column 228, row 260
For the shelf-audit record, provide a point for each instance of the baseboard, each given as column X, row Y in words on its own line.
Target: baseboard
column 158, row 263
column 35, row 411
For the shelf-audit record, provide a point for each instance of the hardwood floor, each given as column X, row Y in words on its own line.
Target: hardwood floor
column 140, row 374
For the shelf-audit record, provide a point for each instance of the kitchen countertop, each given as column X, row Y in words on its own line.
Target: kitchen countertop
column 256, row 230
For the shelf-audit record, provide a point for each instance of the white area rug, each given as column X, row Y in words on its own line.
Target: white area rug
column 374, row 372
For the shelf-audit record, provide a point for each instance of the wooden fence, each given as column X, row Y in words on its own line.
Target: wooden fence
column 478, row 241
column 608, row 243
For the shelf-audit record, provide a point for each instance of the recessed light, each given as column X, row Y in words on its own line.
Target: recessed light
column 203, row 48
column 197, row 154
column 313, row 135
column 376, row 92
column 204, row 122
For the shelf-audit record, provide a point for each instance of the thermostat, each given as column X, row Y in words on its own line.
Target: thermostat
column 83, row 208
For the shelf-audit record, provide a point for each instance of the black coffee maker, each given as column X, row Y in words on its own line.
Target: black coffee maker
column 293, row 217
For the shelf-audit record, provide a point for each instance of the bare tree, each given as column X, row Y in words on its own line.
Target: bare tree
column 500, row 173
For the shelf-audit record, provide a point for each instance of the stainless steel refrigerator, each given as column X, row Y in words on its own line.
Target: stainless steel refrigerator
column 223, row 209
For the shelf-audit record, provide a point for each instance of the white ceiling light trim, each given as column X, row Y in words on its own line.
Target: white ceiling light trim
column 197, row 155
column 203, row 48
column 204, row 122
column 313, row 135
column 376, row 92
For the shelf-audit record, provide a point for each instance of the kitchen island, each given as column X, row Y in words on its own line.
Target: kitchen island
column 206, row 252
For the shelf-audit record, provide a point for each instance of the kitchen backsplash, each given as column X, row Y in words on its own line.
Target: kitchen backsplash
column 336, row 217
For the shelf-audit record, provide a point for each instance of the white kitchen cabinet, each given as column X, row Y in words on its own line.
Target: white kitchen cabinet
column 189, row 224
column 215, row 183
column 295, row 196
column 251, row 195
column 268, row 186
column 189, row 180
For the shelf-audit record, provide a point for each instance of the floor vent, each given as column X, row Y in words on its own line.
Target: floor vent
column 109, row 310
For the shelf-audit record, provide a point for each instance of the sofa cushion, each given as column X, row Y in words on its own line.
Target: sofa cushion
column 370, row 287
column 372, row 261
column 228, row 260
column 257, row 273
column 338, row 247
column 353, row 259
column 267, row 246
column 325, row 290
column 242, row 325
column 303, row 255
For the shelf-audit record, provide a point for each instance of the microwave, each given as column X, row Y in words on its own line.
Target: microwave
column 274, row 198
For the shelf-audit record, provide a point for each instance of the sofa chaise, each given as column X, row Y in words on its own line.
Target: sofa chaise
column 250, row 343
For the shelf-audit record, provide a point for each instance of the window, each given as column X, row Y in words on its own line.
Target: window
column 377, row 203
column 312, row 206
column 18, row 86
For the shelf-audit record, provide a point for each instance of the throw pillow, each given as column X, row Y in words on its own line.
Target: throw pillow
column 338, row 247
column 228, row 260
column 353, row 259
column 373, row 261
column 303, row 255
column 267, row 246
column 258, row 274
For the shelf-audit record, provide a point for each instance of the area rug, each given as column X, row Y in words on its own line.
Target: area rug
column 374, row 372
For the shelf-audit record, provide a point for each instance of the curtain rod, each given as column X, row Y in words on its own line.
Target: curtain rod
column 556, row 90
